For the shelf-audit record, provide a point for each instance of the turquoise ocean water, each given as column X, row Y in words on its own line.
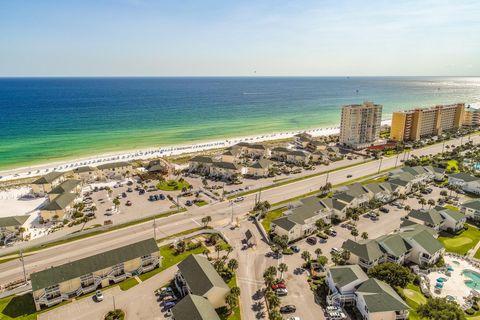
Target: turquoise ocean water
column 46, row 119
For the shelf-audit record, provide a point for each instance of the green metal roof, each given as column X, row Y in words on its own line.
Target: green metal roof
column 65, row 186
column 455, row 215
column 284, row 222
column 424, row 239
column 113, row 165
column 474, row 204
column 368, row 250
column 60, row 202
column 13, row 221
column 48, row 178
column 380, row 297
column 78, row 268
column 200, row 275
column 393, row 244
column 194, row 307
column 344, row 275
column 464, row 176
column 431, row 216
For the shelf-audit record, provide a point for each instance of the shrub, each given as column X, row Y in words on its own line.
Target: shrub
column 470, row 311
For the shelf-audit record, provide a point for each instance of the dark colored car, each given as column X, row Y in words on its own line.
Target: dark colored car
column 288, row 309
column 161, row 197
column 295, row 249
column 188, row 203
column 141, row 191
column 129, row 190
column 384, row 210
column 312, row 240
column 151, row 198
column 124, row 195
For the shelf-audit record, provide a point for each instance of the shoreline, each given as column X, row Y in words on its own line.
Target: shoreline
column 150, row 153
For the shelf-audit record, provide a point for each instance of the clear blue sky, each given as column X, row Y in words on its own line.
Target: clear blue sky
column 225, row 37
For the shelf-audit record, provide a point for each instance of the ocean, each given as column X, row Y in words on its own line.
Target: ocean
column 48, row 119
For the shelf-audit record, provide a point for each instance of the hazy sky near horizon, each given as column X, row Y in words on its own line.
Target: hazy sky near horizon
column 243, row 37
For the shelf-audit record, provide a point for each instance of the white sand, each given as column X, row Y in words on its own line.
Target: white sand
column 12, row 205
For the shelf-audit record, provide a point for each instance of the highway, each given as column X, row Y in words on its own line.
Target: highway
column 220, row 213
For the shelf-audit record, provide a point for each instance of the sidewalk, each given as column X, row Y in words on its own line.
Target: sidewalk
column 139, row 302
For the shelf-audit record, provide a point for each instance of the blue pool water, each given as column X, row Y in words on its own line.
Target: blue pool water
column 474, row 283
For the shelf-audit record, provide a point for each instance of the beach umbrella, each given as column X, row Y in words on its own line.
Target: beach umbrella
column 439, row 285
column 440, row 280
column 450, row 269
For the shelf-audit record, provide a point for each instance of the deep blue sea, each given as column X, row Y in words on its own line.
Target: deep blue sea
column 44, row 119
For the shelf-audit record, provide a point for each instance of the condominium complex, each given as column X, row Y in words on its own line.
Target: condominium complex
column 471, row 116
column 360, row 124
column 411, row 125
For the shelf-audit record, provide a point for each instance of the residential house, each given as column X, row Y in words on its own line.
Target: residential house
column 86, row 173
column 471, row 209
column 200, row 165
column 72, row 279
column 342, row 282
column 197, row 276
column 230, row 155
column 279, row 154
column 67, row 186
column 438, row 173
column 465, row 181
column 259, row 169
column 316, row 145
column 379, row 191
column 301, row 140
column 225, row 170
column 45, row 184
column 439, row 218
column 297, row 157
column 376, row 300
column 257, row 151
column 320, row 156
column 12, row 227
column 453, row 221
column 115, row 170
column 415, row 244
column 156, row 166
column 335, row 207
column 194, row 307
column 300, row 221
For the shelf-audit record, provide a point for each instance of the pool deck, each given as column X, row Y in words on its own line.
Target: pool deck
column 455, row 284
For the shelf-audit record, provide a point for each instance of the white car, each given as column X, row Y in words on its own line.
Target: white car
column 239, row 199
column 281, row 292
column 336, row 250
column 99, row 295
column 294, row 318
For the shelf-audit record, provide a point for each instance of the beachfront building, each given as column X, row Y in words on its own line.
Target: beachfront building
column 412, row 125
column 12, row 227
column 415, row 243
column 200, row 165
column 67, row 186
column 45, row 184
column 259, row 169
column 360, row 125
column 316, row 145
column 279, row 154
column 471, row 209
column 194, row 307
column 466, row 182
column 471, row 117
column 225, row 170
column 64, row 282
column 86, row 173
column 301, row 140
column 157, row 166
column 197, row 276
column 59, row 208
column 297, row 157
column 374, row 299
column 115, row 170
column 257, row 151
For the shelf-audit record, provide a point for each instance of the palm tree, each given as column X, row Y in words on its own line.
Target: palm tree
column 206, row 252
column 306, row 256
column 275, row 315
column 116, row 202
column 232, row 301
column 354, row 233
column 282, row 267
column 318, row 252
column 431, row 203
column 274, row 301
column 218, row 248
column 235, row 291
column 206, row 220
column 93, row 208
column 364, row 235
column 355, row 217
column 229, row 249
column 407, row 208
column 232, row 264
column 422, row 201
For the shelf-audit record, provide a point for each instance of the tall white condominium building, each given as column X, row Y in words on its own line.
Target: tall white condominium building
column 360, row 126
column 471, row 117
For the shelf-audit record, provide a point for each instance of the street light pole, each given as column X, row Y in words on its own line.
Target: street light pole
column 380, row 165
column 23, row 266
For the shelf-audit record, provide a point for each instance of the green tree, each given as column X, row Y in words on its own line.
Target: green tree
column 394, row 274
column 422, row 201
column 214, row 238
column 275, row 315
column 206, row 220
column 235, row 291
column 281, row 241
column 232, row 264
column 354, row 233
column 364, row 235
column 232, row 301
column 320, row 224
column 306, row 256
column 322, row 260
column 282, row 267
column 318, row 252
column 116, row 202
column 218, row 248
column 440, row 309
column 431, row 203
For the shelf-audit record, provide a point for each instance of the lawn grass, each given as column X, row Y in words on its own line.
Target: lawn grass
column 271, row 215
column 127, row 284
column 452, row 165
column 413, row 297
column 477, row 254
column 172, row 185
column 169, row 259
column 461, row 243
column 453, row 208
column 21, row 307
column 201, row 203
column 377, row 180
column 235, row 314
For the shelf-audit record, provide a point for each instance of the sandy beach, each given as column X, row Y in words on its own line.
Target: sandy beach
column 150, row 153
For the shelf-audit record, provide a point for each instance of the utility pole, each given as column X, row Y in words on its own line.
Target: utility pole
column 396, row 160
column 326, row 180
column 231, row 218
column 380, row 165
column 23, row 266
column 114, row 308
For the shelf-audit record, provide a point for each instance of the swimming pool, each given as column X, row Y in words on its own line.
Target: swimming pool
column 476, row 166
column 474, row 283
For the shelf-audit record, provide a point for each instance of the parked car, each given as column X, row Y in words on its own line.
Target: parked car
column 124, row 195
column 239, row 199
column 312, row 240
column 279, row 286
column 281, row 292
column 129, row 190
column 288, row 309
column 295, row 249
column 188, row 203
column 384, row 210
column 294, row 318
column 99, row 296
column 128, row 203
column 349, row 176
column 335, row 250
column 161, row 196
column 169, row 305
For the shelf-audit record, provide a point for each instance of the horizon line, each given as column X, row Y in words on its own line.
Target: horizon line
column 237, row 76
